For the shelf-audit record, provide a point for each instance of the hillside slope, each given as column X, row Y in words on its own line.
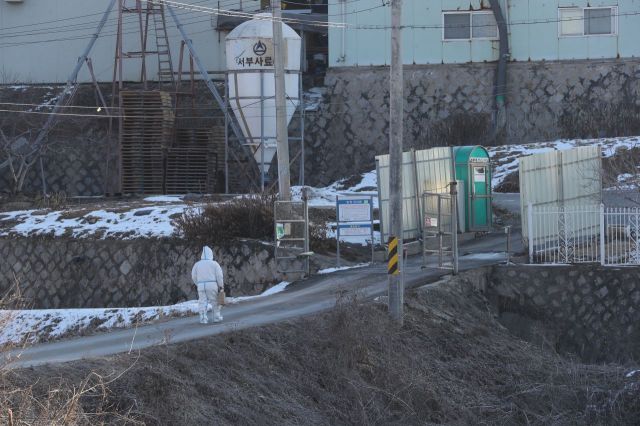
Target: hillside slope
column 452, row 363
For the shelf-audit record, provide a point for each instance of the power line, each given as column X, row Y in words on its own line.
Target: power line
column 253, row 105
column 190, row 9
column 86, row 25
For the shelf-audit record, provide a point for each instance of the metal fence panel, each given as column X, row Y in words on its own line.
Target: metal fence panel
column 585, row 234
column 439, row 234
column 557, row 179
column 422, row 171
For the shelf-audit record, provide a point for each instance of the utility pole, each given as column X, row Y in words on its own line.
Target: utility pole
column 282, row 131
column 396, row 104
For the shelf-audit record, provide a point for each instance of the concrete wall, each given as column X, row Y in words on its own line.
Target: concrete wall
column 61, row 273
column 40, row 41
column 588, row 310
column 453, row 105
column 532, row 24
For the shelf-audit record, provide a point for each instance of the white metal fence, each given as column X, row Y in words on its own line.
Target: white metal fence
column 584, row 234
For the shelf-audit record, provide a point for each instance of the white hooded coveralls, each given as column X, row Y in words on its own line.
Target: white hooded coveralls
column 207, row 276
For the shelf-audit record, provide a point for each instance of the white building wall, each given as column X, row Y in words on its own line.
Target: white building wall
column 532, row 25
column 40, row 40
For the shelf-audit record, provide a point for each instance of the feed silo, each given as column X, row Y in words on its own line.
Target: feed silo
column 251, row 82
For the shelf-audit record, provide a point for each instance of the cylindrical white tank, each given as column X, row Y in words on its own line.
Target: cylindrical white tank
column 251, row 80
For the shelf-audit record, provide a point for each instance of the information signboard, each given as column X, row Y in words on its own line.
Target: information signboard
column 354, row 215
column 354, row 209
column 355, row 230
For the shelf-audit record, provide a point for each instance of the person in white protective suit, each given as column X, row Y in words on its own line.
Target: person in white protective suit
column 207, row 276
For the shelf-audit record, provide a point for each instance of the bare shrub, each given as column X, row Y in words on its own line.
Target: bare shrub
column 594, row 119
column 246, row 217
column 54, row 201
column 458, row 130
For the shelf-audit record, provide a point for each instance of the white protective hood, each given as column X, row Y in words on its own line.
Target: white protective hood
column 207, row 253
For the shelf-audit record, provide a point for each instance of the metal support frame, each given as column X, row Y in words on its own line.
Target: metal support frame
column 259, row 142
column 67, row 93
column 507, row 231
column 204, row 73
column 290, row 247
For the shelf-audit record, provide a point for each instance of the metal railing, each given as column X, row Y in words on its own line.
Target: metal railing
column 584, row 234
column 292, row 236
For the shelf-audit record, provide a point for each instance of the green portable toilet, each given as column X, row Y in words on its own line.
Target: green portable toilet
column 473, row 171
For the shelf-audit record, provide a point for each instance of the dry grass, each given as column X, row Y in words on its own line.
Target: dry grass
column 451, row 363
column 59, row 402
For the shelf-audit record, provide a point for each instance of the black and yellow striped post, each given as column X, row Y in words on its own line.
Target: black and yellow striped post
column 393, row 268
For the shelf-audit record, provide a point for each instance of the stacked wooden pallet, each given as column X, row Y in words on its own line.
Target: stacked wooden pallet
column 191, row 163
column 147, row 129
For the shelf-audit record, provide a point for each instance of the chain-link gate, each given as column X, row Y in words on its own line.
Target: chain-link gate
column 292, row 237
column 440, row 230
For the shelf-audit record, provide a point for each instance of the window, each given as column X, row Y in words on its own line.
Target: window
column 469, row 25
column 457, row 26
column 598, row 21
column 484, row 25
column 571, row 22
column 587, row 21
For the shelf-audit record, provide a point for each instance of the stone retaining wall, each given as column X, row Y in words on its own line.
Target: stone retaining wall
column 591, row 310
column 446, row 104
column 453, row 104
column 64, row 273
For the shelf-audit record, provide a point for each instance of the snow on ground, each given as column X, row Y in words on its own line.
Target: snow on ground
column 165, row 199
column 313, row 98
column 30, row 326
column 505, row 158
column 342, row 268
column 156, row 220
column 367, row 184
column 278, row 288
column 152, row 221
column 633, row 373
column 40, row 325
column 485, row 256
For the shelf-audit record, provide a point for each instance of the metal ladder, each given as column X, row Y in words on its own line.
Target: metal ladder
column 165, row 65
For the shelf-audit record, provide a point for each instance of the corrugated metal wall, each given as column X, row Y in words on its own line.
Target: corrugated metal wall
column 40, row 41
column 422, row 171
column 569, row 179
column 533, row 33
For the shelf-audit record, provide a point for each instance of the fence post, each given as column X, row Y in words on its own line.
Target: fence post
column 530, row 230
column 602, row 236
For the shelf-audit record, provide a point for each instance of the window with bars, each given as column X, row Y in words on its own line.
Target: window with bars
column 588, row 21
column 469, row 25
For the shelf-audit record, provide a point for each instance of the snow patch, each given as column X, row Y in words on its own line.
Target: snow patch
column 505, row 158
column 152, row 221
column 633, row 373
column 278, row 288
column 313, row 98
column 164, row 199
column 485, row 256
column 342, row 268
column 38, row 325
column 31, row 326
column 326, row 197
